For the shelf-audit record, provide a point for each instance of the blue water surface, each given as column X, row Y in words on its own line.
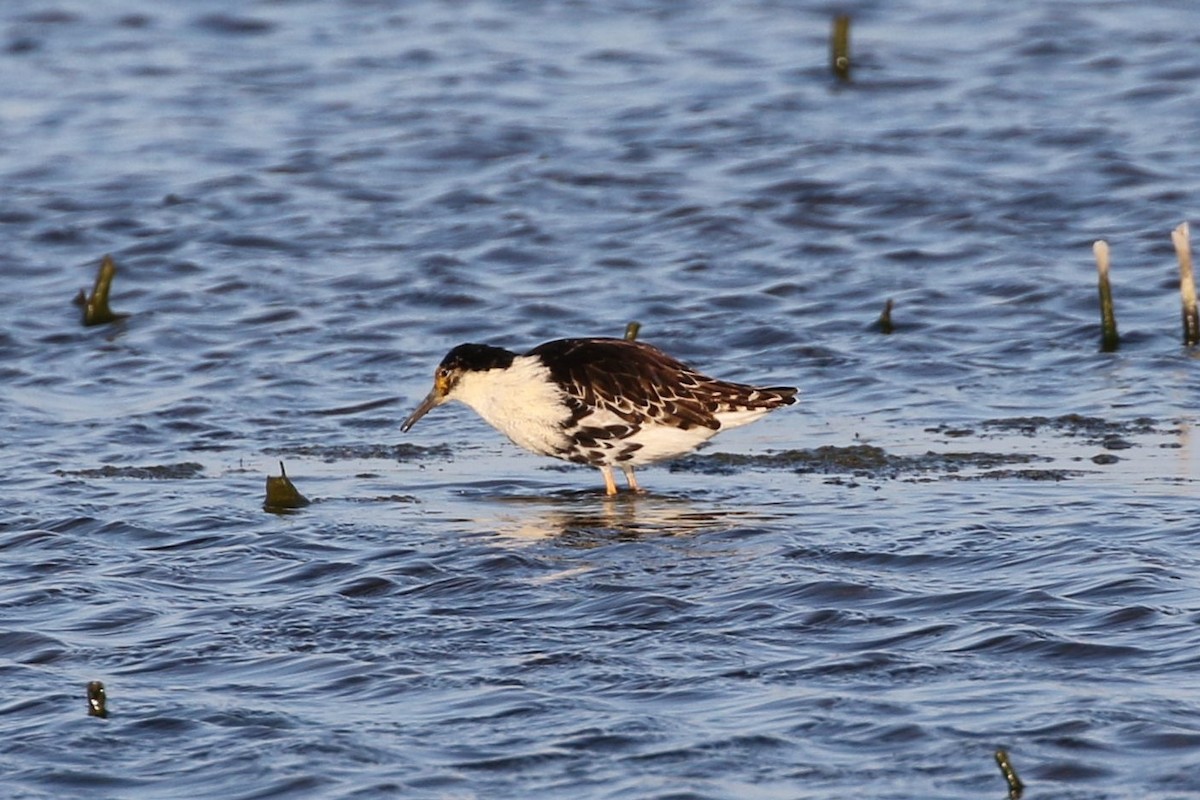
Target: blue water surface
column 310, row 202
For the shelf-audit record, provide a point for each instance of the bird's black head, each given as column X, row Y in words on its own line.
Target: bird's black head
column 475, row 358
column 462, row 359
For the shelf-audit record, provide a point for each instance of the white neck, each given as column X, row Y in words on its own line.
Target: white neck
column 521, row 402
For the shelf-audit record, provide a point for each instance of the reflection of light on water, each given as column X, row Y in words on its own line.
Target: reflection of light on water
column 589, row 520
column 562, row 574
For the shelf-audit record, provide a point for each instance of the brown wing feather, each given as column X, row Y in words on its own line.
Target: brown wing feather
column 634, row 380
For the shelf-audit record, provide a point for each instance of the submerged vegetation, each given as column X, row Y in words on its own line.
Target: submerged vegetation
column 95, row 306
column 282, row 494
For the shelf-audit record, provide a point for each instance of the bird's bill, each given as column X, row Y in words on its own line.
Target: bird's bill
column 431, row 401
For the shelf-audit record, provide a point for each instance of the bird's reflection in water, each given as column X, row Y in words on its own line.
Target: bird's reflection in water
column 589, row 519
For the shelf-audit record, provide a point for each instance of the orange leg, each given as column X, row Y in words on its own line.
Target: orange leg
column 610, row 486
column 632, row 481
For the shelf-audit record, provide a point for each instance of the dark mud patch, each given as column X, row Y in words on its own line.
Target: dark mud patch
column 869, row 461
column 1093, row 430
column 855, row 460
column 158, row 472
column 1008, row 459
column 1019, row 474
column 362, row 452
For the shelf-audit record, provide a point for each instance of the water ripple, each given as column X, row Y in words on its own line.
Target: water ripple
column 973, row 532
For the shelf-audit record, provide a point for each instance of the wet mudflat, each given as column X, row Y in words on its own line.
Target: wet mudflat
column 977, row 531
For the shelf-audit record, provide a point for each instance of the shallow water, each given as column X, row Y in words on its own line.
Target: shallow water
column 976, row 532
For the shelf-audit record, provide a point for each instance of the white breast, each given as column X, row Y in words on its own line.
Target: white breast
column 521, row 402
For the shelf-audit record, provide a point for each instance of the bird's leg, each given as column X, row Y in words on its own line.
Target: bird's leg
column 610, row 486
column 632, row 481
